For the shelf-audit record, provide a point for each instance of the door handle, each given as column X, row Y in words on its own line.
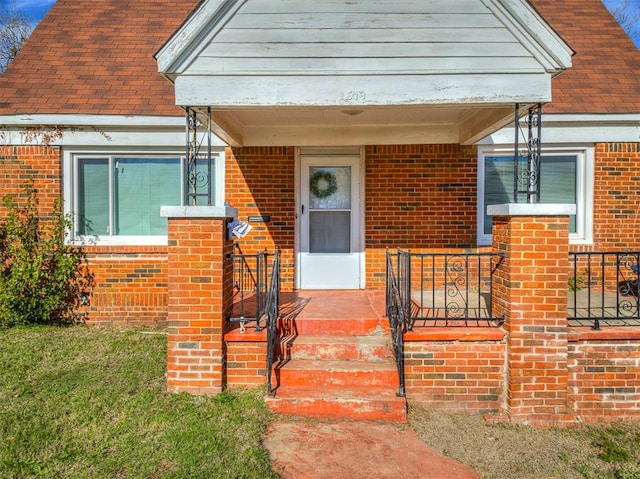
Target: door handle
column 302, row 211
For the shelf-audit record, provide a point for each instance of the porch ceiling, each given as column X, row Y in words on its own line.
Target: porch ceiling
column 350, row 125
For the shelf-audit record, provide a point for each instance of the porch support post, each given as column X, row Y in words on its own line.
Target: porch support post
column 531, row 291
column 200, row 287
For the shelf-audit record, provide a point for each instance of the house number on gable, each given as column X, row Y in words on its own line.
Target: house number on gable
column 354, row 96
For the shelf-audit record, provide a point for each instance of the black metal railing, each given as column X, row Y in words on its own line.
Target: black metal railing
column 250, row 286
column 604, row 289
column 398, row 306
column 272, row 311
column 450, row 289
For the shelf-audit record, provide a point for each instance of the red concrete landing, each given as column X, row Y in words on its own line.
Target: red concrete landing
column 328, row 304
column 356, row 450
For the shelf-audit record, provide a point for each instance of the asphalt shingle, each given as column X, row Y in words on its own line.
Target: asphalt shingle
column 96, row 57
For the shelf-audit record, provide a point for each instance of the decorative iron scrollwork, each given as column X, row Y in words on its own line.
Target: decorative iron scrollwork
column 527, row 178
column 199, row 167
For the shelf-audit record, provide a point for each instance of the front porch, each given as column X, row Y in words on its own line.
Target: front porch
column 334, row 353
column 334, row 357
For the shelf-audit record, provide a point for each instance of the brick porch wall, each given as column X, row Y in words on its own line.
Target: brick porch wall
column 456, row 371
column 604, row 374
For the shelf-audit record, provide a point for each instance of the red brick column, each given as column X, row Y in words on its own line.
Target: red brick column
column 531, row 291
column 200, row 287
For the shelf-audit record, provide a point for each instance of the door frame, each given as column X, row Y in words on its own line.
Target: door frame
column 330, row 152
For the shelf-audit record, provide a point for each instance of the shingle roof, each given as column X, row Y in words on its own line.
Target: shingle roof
column 96, row 57
column 605, row 76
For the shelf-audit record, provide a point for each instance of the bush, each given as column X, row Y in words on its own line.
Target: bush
column 42, row 279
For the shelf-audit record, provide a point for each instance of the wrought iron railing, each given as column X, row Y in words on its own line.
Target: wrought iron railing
column 450, row 289
column 250, row 286
column 604, row 289
column 398, row 306
column 272, row 311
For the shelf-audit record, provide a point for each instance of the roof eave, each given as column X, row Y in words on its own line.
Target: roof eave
column 175, row 53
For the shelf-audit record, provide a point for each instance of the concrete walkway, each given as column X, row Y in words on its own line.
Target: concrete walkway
column 313, row 449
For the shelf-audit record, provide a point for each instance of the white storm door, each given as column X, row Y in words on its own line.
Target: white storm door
column 330, row 251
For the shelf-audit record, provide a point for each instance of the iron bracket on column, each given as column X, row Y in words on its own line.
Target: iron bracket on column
column 199, row 168
column 526, row 178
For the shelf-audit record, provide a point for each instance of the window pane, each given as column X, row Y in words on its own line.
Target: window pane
column 557, row 185
column 329, row 231
column 93, row 197
column 332, row 184
column 141, row 187
column 498, row 184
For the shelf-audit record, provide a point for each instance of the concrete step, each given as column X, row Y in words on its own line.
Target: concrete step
column 347, row 326
column 367, row 348
column 336, row 372
column 357, row 403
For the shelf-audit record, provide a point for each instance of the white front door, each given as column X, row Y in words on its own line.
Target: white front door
column 330, row 245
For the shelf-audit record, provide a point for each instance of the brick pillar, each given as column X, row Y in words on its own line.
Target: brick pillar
column 531, row 291
column 200, row 287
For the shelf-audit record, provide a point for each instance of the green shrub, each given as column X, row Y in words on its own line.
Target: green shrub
column 42, row 279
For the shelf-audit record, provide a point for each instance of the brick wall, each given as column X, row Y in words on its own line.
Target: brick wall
column 421, row 197
column 199, row 298
column 456, row 375
column 616, row 212
column 531, row 292
column 260, row 181
column 130, row 285
column 246, row 361
column 604, row 375
column 418, row 197
column 20, row 164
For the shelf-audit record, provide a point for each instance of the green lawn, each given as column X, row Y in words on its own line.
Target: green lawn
column 90, row 403
column 87, row 402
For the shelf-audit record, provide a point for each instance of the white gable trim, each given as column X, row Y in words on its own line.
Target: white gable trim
column 205, row 22
column 534, row 33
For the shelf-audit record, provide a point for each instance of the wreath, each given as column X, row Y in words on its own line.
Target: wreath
column 319, row 189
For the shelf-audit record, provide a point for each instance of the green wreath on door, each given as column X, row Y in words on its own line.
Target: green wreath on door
column 318, row 189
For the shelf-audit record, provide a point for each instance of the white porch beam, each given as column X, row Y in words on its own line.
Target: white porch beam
column 235, row 91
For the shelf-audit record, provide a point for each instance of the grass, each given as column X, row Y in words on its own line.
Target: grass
column 500, row 451
column 90, row 403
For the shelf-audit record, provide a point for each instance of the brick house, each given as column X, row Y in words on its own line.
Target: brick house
column 305, row 99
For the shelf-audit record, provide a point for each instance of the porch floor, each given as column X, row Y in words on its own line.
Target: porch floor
column 301, row 307
column 331, row 304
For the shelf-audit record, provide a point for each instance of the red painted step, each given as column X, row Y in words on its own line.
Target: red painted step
column 358, row 403
column 332, row 327
column 367, row 348
column 336, row 372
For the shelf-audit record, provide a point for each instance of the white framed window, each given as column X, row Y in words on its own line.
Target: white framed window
column 116, row 198
column 566, row 176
